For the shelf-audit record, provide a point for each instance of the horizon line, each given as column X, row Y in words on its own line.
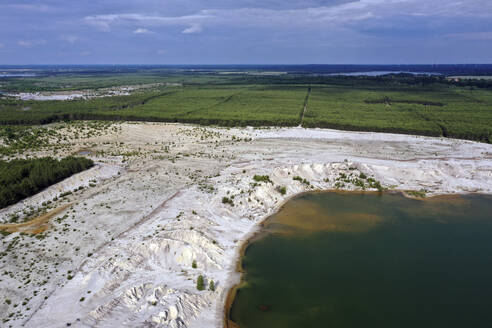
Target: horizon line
column 279, row 64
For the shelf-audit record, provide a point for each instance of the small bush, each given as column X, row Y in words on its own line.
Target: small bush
column 200, row 283
column 301, row 180
column 262, row 178
column 227, row 200
column 421, row 193
column 193, row 265
column 281, row 189
column 211, row 286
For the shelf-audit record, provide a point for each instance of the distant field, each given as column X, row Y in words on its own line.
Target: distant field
column 450, row 111
column 225, row 105
column 400, row 104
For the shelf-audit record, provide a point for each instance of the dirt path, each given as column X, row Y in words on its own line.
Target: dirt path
column 35, row 226
column 305, row 107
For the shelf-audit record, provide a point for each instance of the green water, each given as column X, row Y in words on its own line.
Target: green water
column 368, row 260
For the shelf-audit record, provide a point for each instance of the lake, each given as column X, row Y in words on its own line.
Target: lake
column 370, row 260
column 381, row 73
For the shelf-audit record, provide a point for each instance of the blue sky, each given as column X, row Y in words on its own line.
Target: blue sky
column 245, row 31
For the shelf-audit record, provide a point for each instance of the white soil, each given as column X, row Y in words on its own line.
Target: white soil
column 148, row 218
column 84, row 94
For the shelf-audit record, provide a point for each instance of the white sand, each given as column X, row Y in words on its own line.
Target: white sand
column 146, row 225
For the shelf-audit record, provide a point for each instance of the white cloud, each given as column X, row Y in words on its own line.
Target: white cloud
column 142, row 31
column 31, row 43
column 29, row 7
column 70, row 38
column 472, row 36
column 335, row 16
column 194, row 28
column 105, row 21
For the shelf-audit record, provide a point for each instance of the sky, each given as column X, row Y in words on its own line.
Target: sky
column 245, row 32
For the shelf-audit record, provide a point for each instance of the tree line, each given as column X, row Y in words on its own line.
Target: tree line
column 21, row 178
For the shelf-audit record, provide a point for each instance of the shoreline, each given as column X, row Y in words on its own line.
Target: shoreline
column 258, row 230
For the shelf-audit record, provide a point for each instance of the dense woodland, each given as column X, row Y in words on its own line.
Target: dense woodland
column 21, row 178
column 397, row 103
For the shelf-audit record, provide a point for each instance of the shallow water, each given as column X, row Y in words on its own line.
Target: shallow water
column 381, row 73
column 369, row 260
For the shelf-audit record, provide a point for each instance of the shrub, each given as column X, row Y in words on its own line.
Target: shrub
column 262, row 178
column 193, row 265
column 281, row 189
column 227, row 200
column 301, row 180
column 421, row 193
column 211, row 285
column 200, row 283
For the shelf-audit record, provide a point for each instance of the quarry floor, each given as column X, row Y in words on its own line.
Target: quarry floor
column 119, row 251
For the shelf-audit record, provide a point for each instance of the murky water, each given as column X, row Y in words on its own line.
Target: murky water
column 368, row 260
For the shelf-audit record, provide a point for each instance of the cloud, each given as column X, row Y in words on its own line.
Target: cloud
column 142, row 31
column 70, row 38
column 105, row 21
column 161, row 52
column 472, row 36
column 31, row 43
column 294, row 31
column 337, row 14
column 29, row 7
column 195, row 28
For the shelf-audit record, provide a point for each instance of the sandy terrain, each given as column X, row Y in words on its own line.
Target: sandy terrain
column 121, row 253
column 86, row 94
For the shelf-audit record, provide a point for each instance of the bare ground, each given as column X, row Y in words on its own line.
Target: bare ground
column 120, row 254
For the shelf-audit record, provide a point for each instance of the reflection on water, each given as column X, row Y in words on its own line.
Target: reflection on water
column 381, row 73
column 369, row 260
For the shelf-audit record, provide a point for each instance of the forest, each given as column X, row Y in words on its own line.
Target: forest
column 21, row 178
column 396, row 103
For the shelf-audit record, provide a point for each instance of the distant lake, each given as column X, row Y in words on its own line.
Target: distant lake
column 17, row 75
column 367, row 260
column 381, row 73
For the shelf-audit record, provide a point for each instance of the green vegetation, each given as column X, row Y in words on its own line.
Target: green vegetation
column 227, row 200
column 262, row 178
column 281, row 189
column 430, row 106
column 417, row 193
column 21, row 178
column 200, row 283
column 301, row 180
column 433, row 110
column 15, row 140
column 362, row 181
column 193, row 265
column 211, row 286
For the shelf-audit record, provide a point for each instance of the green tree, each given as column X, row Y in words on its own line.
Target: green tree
column 211, row 285
column 200, row 283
